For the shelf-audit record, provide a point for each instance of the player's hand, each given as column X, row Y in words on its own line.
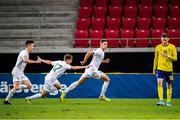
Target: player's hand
column 107, row 60
column 164, row 54
column 83, row 62
column 39, row 60
column 154, row 72
column 88, row 66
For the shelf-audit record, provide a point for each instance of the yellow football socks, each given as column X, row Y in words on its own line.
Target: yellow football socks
column 169, row 93
column 160, row 92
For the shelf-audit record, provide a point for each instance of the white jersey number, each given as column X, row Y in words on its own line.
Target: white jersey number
column 56, row 67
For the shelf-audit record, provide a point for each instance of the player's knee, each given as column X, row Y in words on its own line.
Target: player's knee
column 79, row 82
column 105, row 78
column 29, row 86
column 16, row 87
column 43, row 94
column 58, row 87
column 168, row 85
column 159, row 84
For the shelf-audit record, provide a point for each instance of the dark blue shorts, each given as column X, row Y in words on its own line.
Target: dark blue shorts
column 168, row 76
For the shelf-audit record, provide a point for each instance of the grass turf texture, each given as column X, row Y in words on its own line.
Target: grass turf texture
column 89, row 109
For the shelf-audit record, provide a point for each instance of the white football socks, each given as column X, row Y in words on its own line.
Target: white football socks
column 104, row 88
column 10, row 94
column 38, row 95
column 71, row 87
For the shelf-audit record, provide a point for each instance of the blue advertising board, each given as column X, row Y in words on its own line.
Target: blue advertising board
column 121, row 86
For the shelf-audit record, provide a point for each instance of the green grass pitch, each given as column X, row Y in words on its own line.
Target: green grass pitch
column 89, row 109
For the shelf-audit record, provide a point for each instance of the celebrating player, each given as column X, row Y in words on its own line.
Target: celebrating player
column 165, row 54
column 20, row 81
column 92, row 71
column 51, row 82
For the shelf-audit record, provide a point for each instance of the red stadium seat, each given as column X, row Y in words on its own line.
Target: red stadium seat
column 172, row 35
column 145, row 11
column 101, row 2
column 115, row 12
column 161, row 2
column 142, row 34
column 85, row 12
column 86, row 3
column 175, row 2
column 109, row 34
column 130, row 11
column 96, row 34
column 81, row 42
column 127, row 38
column 175, row 11
column 131, row 2
column 100, row 12
column 83, row 24
column 143, row 23
column 174, row 23
column 98, row 24
column 161, row 11
column 129, row 23
column 116, row 2
column 156, row 37
column 159, row 23
column 147, row 2
column 113, row 24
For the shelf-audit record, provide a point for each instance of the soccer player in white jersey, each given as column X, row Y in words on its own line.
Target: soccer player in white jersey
column 51, row 83
column 20, row 81
column 92, row 71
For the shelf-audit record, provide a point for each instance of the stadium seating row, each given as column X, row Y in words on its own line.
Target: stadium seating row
column 127, row 38
column 128, row 2
column 128, row 11
column 127, row 23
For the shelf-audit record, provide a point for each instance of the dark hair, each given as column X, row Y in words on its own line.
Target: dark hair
column 67, row 56
column 164, row 35
column 102, row 41
column 29, row 42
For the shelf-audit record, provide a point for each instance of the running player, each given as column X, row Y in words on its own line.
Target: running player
column 51, row 83
column 92, row 71
column 165, row 54
column 20, row 81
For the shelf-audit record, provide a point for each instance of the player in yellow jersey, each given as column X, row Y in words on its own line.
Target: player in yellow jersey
column 165, row 54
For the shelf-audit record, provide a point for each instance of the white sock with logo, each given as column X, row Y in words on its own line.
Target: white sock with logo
column 38, row 95
column 71, row 87
column 104, row 88
column 10, row 94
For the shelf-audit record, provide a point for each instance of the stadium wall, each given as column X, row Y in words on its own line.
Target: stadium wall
column 120, row 62
column 121, row 86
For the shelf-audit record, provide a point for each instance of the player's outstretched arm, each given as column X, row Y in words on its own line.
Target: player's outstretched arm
column 49, row 62
column 107, row 60
column 79, row 67
column 27, row 60
column 88, row 54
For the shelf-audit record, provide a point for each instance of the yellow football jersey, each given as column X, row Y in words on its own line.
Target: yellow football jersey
column 164, row 63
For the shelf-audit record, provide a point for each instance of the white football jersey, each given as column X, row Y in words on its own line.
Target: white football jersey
column 97, row 59
column 59, row 67
column 20, row 64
